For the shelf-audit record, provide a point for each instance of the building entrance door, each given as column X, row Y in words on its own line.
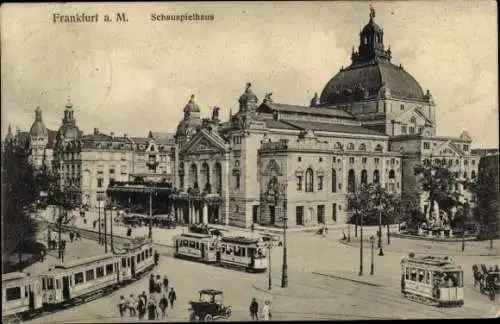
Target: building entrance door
column 255, row 214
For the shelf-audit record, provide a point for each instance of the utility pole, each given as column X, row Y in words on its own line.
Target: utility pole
column 150, row 234
column 105, row 231
column 284, row 274
column 99, row 217
column 270, row 285
column 361, row 246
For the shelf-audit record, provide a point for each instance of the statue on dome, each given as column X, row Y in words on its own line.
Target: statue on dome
column 267, row 97
column 315, row 100
column 215, row 113
column 372, row 13
column 248, row 88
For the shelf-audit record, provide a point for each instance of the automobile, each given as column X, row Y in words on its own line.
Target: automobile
column 210, row 306
column 491, row 284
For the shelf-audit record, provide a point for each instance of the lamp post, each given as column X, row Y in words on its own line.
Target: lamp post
column 361, row 245
column 381, row 252
column 99, row 217
column 150, row 233
column 269, row 284
column 349, row 231
column 112, row 246
column 372, row 266
column 284, row 273
column 105, row 230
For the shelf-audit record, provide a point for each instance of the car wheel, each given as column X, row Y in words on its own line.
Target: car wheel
column 192, row 317
column 207, row 318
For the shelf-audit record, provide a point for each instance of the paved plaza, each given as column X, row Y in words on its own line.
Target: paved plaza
column 323, row 284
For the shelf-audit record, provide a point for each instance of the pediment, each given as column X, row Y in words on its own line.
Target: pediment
column 447, row 149
column 203, row 142
column 406, row 116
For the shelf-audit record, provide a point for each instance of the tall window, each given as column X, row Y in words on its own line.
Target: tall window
column 100, row 183
column 392, row 174
column 320, row 183
column 351, row 181
column 403, row 129
column 364, row 177
column 376, row 177
column 350, row 147
column 321, row 214
column 334, row 181
column 218, row 177
column 205, row 174
column 193, row 176
column 309, row 180
column 299, row 183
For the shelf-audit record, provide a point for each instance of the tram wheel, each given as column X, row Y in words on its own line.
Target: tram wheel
column 492, row 294
column 208, row 318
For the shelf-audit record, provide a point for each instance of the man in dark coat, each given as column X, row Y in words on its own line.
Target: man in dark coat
column 172, row 297
column 165, row 284
column 157, row 257
column 152, row 284
column 254, row 310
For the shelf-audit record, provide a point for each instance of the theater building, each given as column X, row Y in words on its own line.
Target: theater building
column 372, row 123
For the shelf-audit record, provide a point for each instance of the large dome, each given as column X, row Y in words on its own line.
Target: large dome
column 364, row 81
column 69, row 131
column 38, row 129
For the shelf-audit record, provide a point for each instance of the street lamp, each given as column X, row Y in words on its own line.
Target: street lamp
column 99, row 217
column 284, row 273
column 381, row 252
column 269, row 245
column 150, row 234
column 372, row 241
column 349, row 231
column 361, row 245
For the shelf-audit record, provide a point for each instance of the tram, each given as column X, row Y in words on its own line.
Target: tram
column 239, row 252
column 432, row 280
column 73, row 282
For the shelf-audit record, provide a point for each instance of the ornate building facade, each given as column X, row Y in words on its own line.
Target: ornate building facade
column 372, row 123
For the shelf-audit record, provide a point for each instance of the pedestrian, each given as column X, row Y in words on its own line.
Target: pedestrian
column 163, row 306
column 343, row 235
column 94, row 224
column 152, row 311
column 254, row 310
column 266, row 310
column 158, row 284
column 253, row 227
column 172, row 297
column 71, row 236
column 129, row 231
column 326, row 230
column 141, row 306
column 132, row 306
column 157, row 257
column 121, row 305
column 165, row 284
column 151, row 284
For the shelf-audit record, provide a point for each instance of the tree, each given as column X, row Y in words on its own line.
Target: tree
column 439, row 182
column 19, row 195
column 486, row 190
column 368, row 198
column 61, row 212
column 357, row 202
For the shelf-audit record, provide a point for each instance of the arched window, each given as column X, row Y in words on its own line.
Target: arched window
column 362, row 147
column 205, row 177
column 473, row 175
column 218, row 177
column 364, row 177
column 334, row 181
column 339, row 146
column 413, row 120
column 392, row 174
column 379, row 148
column 309, row 180
column 465, row 175
column 193, row 176
column 350, row 147
column 376, row 177
column 351, row 181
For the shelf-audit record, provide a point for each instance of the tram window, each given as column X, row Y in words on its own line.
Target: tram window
column 150, row 251
column 78, row 278
column 243, row 252
column 26, row 289
column 99, row 272
column 451, row 279
column 109, row 269
column 413, row 275
column 128, row 262
column 44, row 284
column 197, row 245
column 223, row 248
column 38, row 287
column 237, row 251
column 89, row 275
column 50, row 283
column 124, row 262
column 407, row 274
column 147, row 253
column 191, row 244
column 142, row 256
column 58, row 283
column 138, row 258
column 427, row 278
column 421, row 276
column 13, row 293
column 211, row 246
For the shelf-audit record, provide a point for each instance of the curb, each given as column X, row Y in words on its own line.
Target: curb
column 454, row 253
column 298, row 295
column 349, row 279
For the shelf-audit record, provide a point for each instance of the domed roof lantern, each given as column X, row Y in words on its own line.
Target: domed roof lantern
column 248, row 100
column 428, row 97
column 191, row 105
column 9, row 136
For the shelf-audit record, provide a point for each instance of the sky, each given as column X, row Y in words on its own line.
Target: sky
column 132, row 77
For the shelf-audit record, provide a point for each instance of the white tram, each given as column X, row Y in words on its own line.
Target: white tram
column 248, row 253
column 200, row 247
column 135, row 261
column 241, row 252
column 432, row 280
column 20, row 294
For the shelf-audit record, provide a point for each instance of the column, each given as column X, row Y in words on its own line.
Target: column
column 225, row 190
column 205, row 213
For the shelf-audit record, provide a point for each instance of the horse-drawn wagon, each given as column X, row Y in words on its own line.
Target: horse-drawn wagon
column 488, row 279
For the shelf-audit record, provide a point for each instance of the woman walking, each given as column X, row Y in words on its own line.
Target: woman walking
column 163, row 306
column 266, row 310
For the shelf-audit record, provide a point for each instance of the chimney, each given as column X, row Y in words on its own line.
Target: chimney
column 96, row 130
